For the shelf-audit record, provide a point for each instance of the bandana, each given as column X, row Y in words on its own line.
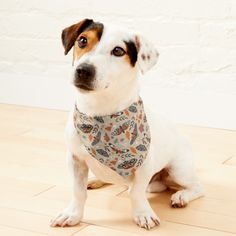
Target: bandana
column 120, row 141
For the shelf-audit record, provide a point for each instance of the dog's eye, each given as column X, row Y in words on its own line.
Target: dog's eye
column 118, row 52
column 82, row 42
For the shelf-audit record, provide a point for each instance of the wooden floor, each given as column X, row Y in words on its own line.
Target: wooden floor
column 35, row 184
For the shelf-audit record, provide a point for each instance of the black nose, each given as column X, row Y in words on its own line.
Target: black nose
column 85, row 73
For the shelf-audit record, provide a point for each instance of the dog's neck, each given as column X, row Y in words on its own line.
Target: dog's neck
column 108, row 101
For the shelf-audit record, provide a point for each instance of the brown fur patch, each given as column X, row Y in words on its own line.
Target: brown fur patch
column 92, row 39
column 131, row 53
column 126, row 57
column 137, row 43
column 70, row 34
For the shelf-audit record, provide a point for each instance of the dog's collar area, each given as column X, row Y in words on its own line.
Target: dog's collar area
column 134, row 104
column 120, row 141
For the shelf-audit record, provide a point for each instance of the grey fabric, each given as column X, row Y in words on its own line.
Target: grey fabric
column 120, row 141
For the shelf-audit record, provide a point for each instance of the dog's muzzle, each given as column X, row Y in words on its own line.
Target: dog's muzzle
column 84, row 76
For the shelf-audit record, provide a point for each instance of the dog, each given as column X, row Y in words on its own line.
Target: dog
column 111, row 132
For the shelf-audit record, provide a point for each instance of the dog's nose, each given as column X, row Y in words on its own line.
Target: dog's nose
column 85, row 72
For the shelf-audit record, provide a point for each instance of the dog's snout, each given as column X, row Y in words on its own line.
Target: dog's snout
column 85, row 72
column 84, row 76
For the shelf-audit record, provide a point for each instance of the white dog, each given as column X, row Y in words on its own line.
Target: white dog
column 111, row 133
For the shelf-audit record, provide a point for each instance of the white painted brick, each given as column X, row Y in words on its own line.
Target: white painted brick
column 170, row 33
column 30, row 26
column 214, row 82
column 232, row 8
column 9, row 5
column 182, row 8
column 194, row 9
column 196, row 38
column 178, row 59
column 125, row 8
column 32, row 50
column 27, row 68
column 5, row 66
column 47, row 7
column 59, row 70
column 221, row 34
column 213, row 60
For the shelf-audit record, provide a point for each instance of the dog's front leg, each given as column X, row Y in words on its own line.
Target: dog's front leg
column 74, row 212
column 143, row 214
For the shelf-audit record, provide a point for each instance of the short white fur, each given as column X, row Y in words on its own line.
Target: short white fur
column 116, row 87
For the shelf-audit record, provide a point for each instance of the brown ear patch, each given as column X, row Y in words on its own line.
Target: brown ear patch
column 92, row 40
column 131, row 52
column 137, row 42
column 93, row 34
column 71, row 33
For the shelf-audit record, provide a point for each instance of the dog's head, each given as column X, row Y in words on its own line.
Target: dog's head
column 105, row 57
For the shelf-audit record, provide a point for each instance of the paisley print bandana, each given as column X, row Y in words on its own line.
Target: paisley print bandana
column 120, row 141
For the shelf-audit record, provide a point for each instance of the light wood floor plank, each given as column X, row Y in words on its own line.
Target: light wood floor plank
column 35, row 183
column 13, row 186
column 9, row 231
column 166, row 229
column 122, row 220
column 33, row 222
column 211, row 145
column 231, row 161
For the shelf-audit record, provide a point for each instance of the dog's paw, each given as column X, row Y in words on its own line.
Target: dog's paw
column 94, row 184
column 66, row 218
column 179, row 199
column 146, row 219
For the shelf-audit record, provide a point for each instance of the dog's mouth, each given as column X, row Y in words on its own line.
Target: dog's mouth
column 83, row 87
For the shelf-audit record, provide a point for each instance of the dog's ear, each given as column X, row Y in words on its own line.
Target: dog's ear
column 147, row 54
column 70, row 34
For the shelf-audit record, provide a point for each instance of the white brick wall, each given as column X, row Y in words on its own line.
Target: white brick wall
column 196, row 40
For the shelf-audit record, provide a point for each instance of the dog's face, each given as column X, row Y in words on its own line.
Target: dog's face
column 106, row 57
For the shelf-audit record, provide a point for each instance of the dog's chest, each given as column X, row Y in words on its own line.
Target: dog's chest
column 119, row 141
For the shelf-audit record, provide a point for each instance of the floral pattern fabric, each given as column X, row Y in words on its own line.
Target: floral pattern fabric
column 120, row 141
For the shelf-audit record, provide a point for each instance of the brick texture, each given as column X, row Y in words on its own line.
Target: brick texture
column 196, row 39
